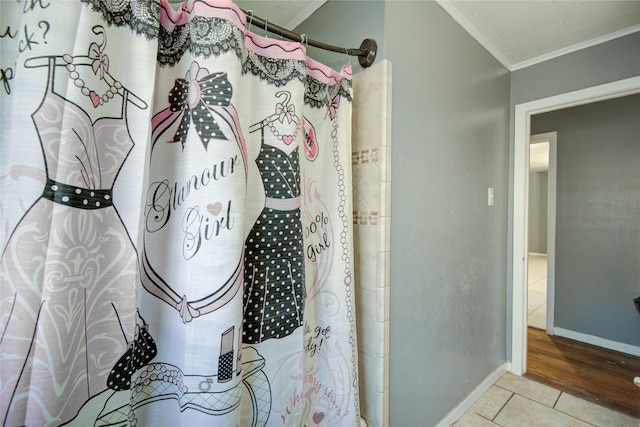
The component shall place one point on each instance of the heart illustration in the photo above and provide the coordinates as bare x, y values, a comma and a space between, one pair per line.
95, 99
214, 208
318, 417
287, 139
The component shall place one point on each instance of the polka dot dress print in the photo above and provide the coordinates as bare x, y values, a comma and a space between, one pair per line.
274, 277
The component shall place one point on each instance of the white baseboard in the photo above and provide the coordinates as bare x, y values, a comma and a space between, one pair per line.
455, 414
597, 341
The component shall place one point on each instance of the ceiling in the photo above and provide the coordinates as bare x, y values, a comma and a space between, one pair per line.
518, 33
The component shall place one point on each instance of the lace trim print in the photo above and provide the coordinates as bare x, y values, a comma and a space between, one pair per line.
320, 95
277, 72
210, 36
203, 37
141, 16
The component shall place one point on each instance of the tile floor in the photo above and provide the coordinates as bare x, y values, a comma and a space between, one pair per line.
537, 291
515, 401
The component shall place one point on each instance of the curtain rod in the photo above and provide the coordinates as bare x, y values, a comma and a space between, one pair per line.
366, 53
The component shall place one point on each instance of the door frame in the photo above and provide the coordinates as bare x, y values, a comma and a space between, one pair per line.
518, 255
552, 139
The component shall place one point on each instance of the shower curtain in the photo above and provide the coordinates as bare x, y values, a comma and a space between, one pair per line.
176, 221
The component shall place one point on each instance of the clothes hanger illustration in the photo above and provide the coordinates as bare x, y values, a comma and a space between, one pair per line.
284, 112
98, 61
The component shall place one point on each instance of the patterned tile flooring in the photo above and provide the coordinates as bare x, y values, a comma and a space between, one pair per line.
537, 291
515, 401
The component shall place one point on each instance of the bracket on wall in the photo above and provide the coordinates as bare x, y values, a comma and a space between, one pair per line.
369, 49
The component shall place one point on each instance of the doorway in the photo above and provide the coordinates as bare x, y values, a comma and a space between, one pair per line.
541, 231
519, 251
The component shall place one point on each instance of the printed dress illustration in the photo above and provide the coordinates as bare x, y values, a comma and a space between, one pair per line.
274, 289
69, 269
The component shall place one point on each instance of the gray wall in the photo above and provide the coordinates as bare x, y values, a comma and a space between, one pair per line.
448, 248
449, 251
345, 23
607, 62
596, 65
538, 207
598, 217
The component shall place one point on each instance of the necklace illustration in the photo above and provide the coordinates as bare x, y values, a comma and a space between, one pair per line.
96, 99
287, 139
100, 65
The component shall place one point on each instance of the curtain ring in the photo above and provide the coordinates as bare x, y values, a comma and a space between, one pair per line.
304, 40
250, 12
266, 27
349, 53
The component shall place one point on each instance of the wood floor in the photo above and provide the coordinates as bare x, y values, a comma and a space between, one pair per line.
601, 376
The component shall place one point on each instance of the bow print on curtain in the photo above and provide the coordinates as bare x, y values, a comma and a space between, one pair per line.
175, 221
199, 92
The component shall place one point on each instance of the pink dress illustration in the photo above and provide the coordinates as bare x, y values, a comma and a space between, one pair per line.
69, 269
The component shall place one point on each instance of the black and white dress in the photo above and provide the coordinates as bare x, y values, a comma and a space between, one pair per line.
274, 289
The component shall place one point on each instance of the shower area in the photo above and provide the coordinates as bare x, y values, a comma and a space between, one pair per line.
371, 163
